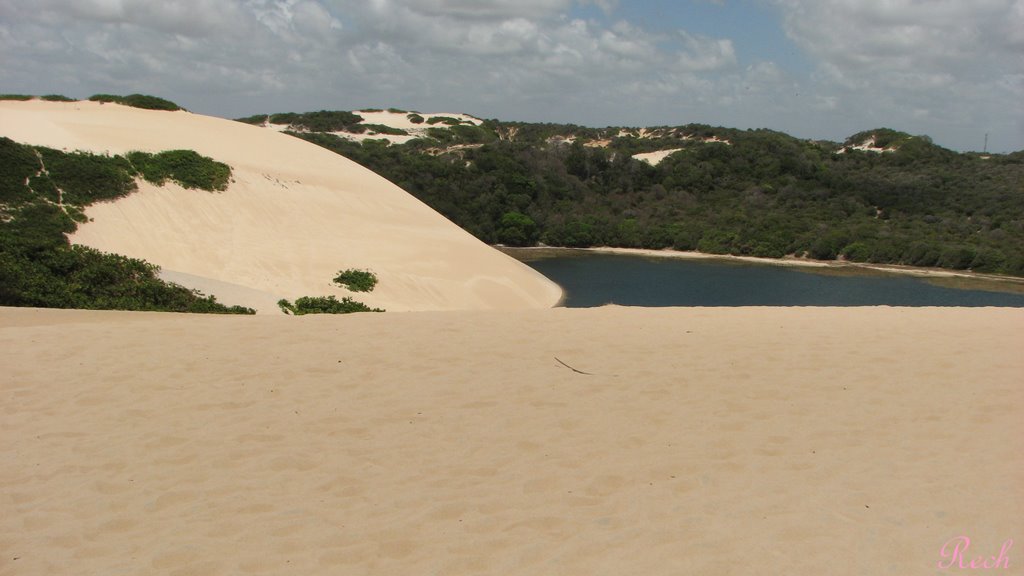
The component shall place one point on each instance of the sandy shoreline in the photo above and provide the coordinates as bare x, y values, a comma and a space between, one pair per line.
704, 441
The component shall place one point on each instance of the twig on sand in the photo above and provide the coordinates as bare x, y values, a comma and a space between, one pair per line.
573, 369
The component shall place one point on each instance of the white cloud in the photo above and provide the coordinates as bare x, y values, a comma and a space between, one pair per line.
704, 53
491, 10
871, 37
186, 17
940, 67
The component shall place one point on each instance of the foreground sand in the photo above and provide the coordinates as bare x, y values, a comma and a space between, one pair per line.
294, 215
704, 441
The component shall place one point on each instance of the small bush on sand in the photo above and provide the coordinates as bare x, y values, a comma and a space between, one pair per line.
187, 167
323, 305
356, 280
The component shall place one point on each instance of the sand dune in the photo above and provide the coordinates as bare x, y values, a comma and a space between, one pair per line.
703, 441
602, 441
655, 158
294, 216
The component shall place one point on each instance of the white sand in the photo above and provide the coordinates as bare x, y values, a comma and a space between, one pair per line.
399, 120
868, 146
655, 158
295, 215
705, 441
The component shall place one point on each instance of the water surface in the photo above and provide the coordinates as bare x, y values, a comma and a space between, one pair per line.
597, 279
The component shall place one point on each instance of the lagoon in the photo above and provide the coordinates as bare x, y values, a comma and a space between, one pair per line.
595, 279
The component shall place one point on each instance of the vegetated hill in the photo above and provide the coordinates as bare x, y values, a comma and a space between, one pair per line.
882, 196
143, 101
42, 196
294, 215
391, 125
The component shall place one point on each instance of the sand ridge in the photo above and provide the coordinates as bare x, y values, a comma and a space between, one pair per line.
704, 441
294, 216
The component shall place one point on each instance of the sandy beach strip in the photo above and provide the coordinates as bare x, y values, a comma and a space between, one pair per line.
686, 441
1009, 282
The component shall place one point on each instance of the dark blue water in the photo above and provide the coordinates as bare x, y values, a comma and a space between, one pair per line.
598, 279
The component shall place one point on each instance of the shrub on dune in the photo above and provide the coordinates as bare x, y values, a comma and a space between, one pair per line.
323, 305
143, 101
356, 280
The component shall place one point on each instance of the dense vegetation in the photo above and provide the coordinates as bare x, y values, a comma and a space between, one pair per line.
382, 129
134, 100
137, 101
322, 121
727, 191
185, 167
324, 305
356, 280
42, 195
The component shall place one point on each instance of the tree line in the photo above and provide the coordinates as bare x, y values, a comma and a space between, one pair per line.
726, 191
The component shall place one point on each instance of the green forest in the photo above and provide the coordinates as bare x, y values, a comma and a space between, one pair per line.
43, 193
726, 191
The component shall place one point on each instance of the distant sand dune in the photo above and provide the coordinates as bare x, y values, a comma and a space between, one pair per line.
706, 441
294, 216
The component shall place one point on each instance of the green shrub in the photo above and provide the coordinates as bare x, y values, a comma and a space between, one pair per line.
470, 134
857, 252
187, 167
382, 129
517, 229
86, 178
323, 305
957, 257
416, 119
922, 254
21, 97
357, 280
57, 98
258, 120
137, 101
442, 135
322, 121
447, 120
82, 277
18, 164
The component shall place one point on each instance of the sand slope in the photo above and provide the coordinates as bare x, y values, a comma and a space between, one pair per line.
295, 215
705, 441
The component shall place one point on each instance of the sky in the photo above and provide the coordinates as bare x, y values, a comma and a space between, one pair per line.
821, 69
